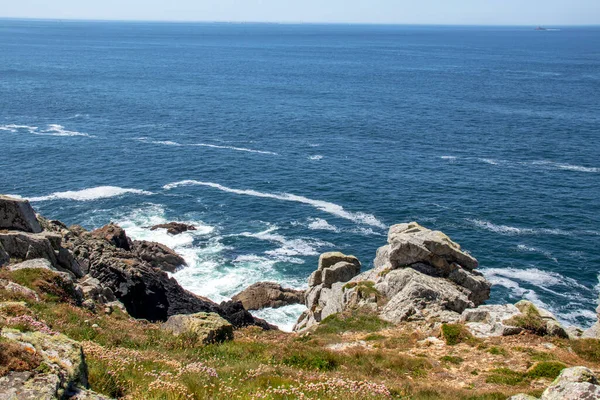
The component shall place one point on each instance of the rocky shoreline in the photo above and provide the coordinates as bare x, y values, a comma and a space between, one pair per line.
420, 277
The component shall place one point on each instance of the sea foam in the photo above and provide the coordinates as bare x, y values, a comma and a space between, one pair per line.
51, 130
331, 208
511, 230
214, 146
100, 192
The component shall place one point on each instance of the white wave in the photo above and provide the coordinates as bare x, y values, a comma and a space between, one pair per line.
284, 317
315, 157
489, 161
214, 146
324, 206
568, 167
321, 224
531, 249
533, 276
448, 157
289, 247
51, 130
100, 192
511, 230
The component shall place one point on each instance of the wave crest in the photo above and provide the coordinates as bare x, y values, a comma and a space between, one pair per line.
100, 192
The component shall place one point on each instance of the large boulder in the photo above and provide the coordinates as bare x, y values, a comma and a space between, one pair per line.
113, 234
174, 228
4, 256
158, 255
64, 371
28, 246
268, 295
206, 327
17, 214
576, 383
419, 275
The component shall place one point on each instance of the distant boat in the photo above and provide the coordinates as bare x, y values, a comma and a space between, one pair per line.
540, 28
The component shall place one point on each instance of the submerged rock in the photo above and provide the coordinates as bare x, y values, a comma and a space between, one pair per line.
17, 214
174, 228
206, 327
268, 295
419, 275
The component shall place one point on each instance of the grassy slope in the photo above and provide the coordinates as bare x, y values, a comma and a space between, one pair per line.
354, 356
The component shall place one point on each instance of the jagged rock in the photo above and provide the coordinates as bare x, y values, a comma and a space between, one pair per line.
419, 275
522, 397
268, 294
577, 383
17, 214
207, 327
410, 243
114, 234
593, 332
4, 257
174, 228
38, 263
92, 289
158, 255
326, 260
487, 321
62, 358
27, 246
18, 289
553, 327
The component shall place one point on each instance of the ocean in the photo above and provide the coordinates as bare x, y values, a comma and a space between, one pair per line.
280, 142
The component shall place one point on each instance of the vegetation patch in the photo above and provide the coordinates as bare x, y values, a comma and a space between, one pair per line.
546, 369
530, 320
505, 376
352, 321
319, 361
452, 359
49, 285
497, 351
588, 349
15, 357
454, 334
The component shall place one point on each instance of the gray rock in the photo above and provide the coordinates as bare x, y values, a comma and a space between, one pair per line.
522, 397
208, 327
158, 255
268, 294
489, 321
63, 358
18, 289
17, 214
340, 272
38, 263
4, 257
553, 327
577, 383
419, 275
27, 246
326, 260
174, 228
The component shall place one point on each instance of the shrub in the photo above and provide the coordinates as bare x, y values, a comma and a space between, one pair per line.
456, 333
530, 320
321, 361
14, 357
497, 351
546, 369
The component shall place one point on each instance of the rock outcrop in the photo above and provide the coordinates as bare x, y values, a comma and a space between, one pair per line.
268, 294
62, 372
205, 327
576, 383
174, 228
419, 275
158, 255
507, 319
111, 267
18, 214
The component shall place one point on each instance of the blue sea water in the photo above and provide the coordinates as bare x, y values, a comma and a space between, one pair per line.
284, 141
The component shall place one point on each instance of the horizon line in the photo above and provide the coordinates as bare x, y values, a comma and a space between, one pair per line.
176, 21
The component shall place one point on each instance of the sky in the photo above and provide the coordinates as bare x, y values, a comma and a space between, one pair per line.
451, 12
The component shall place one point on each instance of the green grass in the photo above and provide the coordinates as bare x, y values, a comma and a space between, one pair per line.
505, 376
497, 351
352, 321
546, 369
319, 361
452, 359
454, 334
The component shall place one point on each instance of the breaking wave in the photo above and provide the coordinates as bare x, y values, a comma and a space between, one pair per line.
321, 205
51, 130
283, 317
100, 192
